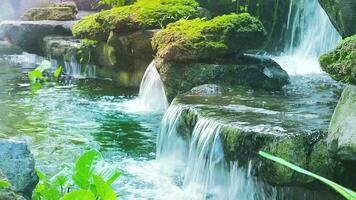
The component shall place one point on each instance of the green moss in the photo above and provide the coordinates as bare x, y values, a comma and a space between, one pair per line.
341, 62
144, 14
209, 39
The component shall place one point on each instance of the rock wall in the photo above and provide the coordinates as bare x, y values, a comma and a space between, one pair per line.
342, 14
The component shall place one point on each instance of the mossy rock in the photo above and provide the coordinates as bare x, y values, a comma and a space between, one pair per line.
340, 63
59, 12
144, 14
201, 39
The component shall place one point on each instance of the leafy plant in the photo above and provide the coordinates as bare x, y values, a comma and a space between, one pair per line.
84, 50
43, 74
90, 179
114, 3
347, 193
4, 183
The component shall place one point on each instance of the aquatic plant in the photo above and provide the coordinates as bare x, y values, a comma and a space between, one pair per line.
42, 73
4, 183
90, 179
345, 192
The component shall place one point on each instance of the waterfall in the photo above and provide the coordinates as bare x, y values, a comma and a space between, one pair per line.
310, 34
201, 162
152, 97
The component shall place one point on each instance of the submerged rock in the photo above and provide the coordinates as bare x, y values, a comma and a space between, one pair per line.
342, 131
18, 165
257, 72
28, 35
60, 12
144, 14
342, 14
201, 39
207, 90
341, 62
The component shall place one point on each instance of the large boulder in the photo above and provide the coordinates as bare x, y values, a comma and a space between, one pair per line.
255, 71
18, 165
201, 39
342, 14
340, 63
272, 13
60, 12
8, 193
144, 14
28, 35
342, 131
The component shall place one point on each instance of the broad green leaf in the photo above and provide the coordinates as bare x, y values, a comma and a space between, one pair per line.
79, 195
4, 184
58, 72
45, 65
347, 193
35, 76
84, 168
103, 190
50, 192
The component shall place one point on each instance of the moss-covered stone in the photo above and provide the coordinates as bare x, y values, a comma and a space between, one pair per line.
201, 39
144, 14
59, 12
341, 62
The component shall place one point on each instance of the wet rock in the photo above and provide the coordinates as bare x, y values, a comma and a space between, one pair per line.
207, 90
201, 39
257, 72
342, 14
17, 164
8, 193
273, 15
60, 12
342, 131
8, 48
340, 63
124, 51
60, 47
28, 35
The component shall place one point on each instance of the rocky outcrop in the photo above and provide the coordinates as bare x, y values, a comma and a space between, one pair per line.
7, 193
60, 47
340, 63
7, 48
60, 12
242, 117
207, 90
144, 14
342, 14
28, 35
342, 131
272, 13
254, 71
201, 39
17, 164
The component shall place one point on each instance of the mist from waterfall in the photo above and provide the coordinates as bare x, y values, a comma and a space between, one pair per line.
309, 34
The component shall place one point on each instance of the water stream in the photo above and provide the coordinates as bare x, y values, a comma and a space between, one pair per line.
137, 132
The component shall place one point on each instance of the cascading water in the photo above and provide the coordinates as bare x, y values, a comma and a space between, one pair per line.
201, 161
309, 34
152, 97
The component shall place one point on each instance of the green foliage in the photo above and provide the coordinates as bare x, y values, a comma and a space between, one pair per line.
4, 184
84, 50
113, 2
90, 178
143, 14
209, 39
340, 63
347, 193
43, 74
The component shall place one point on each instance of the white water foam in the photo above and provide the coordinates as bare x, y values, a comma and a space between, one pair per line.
199, 161
310, 34
152, 97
